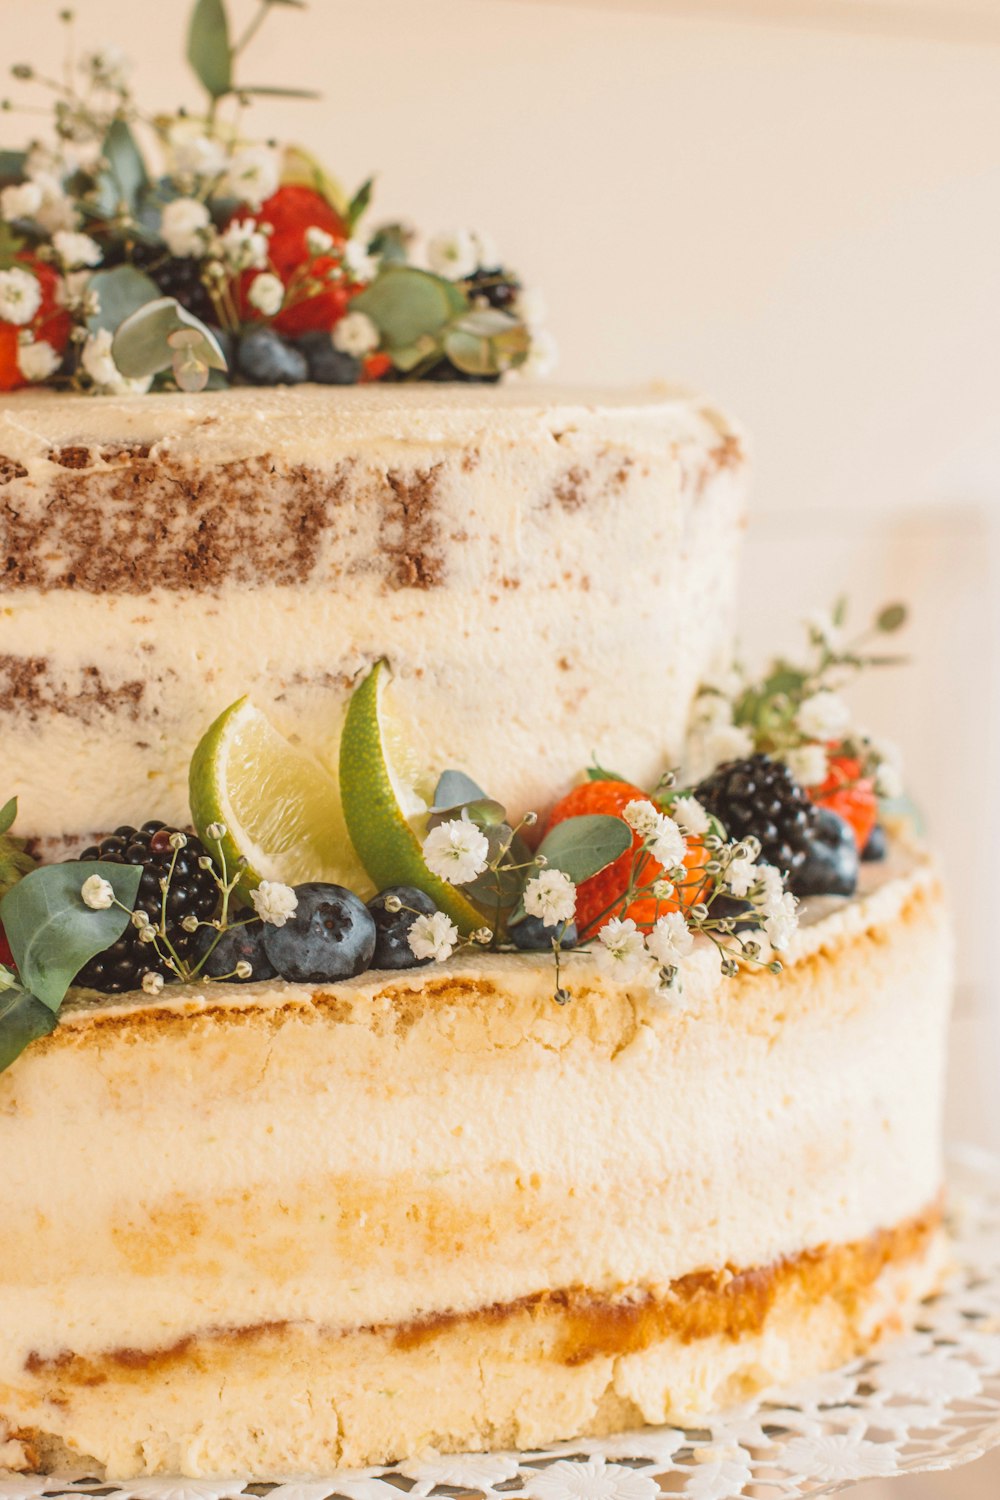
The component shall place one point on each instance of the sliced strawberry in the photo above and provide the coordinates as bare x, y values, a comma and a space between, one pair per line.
846, 792
602, 891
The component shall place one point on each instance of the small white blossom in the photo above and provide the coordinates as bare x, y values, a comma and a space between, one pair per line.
22, 201
37, 360
97, 893
108, 67
642, 817
455, 255
824, 716
57, 210
243, 246
152, 982
781, 921
888, 781
739, 875
318, 241
274, 902
531, 308
662, 890
76, 250
20, 296
252, 175
732, 743
670, 940
543, 355
550, 896
73, 293
668, 845
355, 334
359, 265
196, 155
432, 936
711, 710
808, 764
690, 816
266, 294
456, 851
823, 630
97, 362
621, 952
184, 227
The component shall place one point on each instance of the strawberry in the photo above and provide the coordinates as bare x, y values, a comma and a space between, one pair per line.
601, 891
374, 366
846, 792
6, 956
290, 212
49, 323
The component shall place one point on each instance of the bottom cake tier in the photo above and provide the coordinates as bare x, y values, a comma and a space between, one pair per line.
276, 1229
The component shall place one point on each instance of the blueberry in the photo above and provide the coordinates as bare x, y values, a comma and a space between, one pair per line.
533, 936
877, 846
266, 358
830, 867
327, 365
244, 941
331, 936
392, 951
736, 910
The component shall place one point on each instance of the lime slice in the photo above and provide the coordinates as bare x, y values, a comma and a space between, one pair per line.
280, 807
383, 808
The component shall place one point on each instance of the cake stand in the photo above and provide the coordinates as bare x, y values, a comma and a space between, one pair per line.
930, 1400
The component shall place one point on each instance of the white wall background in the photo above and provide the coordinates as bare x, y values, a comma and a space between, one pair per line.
793, 204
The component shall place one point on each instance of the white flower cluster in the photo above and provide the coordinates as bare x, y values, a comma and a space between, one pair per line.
274, 902
763, 887
654, 960
659, 833
456, 850
714, 737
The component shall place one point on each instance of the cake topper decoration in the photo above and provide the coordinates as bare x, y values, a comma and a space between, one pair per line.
175, 250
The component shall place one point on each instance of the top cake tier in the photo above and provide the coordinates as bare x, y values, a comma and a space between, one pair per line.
550, 573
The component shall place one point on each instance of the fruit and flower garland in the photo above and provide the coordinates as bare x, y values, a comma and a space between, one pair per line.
229, 260
716, 858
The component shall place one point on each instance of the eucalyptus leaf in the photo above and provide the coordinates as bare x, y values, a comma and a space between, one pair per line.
410, 356
120, 292
126, 168
501, 887
891, 618
209, 50
12, 164
52, 933
7, 815
487, 321
484, 812
583, 846
140, 346
470, 353
454, 788
23, 1019
406, 304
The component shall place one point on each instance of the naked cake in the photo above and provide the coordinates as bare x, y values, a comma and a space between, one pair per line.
444, 1004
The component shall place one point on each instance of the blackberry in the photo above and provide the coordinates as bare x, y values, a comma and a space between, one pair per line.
176, 276
192, 892
760, 796
496, 287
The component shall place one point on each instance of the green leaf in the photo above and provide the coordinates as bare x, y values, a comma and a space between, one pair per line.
23, 1019
484, 812
407, 305
360, 202
265, 90
52, 934
12, 164
208, 47
598, 773
127, 178
891, 618
486, 342
120, 292
7, 815
454, 788
582, 846
10, 245
501, 887
389, 243
140, 346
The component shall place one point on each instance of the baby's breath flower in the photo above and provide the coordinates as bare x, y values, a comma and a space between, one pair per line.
57, 210
358, 264
244, 970
807, 763
97, 893
108, 67
670, 940
729, 743
823, 631
98, 362
550, 896
266, 294
740, 874
196, 155
888, 781
190, 922
184, 227
252, 175
823, 716
140, 919
147, 934
274, 902
781, 921
662, 890
178, 841
20, 296
642, 817
483, 936
76, 250
215, 831
690, 816
356, 334
37, 360
318, 241
242, 246
543, 355
152, 982
456, 851
455, 254
433, 935
668, 845
621, 953
21, 201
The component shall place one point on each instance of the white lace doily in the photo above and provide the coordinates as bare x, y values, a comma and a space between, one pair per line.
930, 1400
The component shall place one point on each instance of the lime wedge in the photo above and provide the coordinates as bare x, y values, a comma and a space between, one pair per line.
280, 807
384, 810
